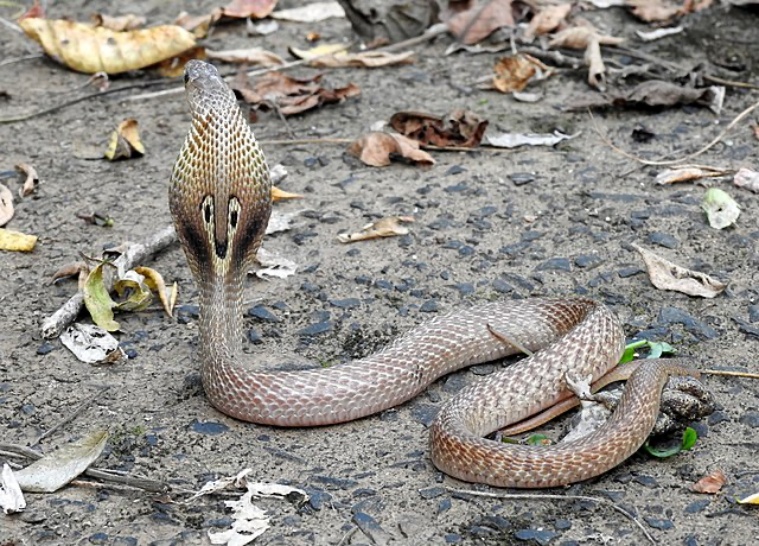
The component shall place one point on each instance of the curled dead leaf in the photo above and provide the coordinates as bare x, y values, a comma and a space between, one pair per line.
547, 20
386, 227
155, 282
710, 484
96, 49
665, 275
198, 25
16, 242
515, 72
281, 195
6, 205
30, 182
596, 67
125, 141
244, 9
318, 51
310, 13
366, 59
471, 25
75, 269
378, 149
462, 128
120, 23
748, 179
98, 301
687, 174
580, 37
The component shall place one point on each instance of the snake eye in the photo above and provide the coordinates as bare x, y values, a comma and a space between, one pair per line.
233, 219
186, 78
207, 212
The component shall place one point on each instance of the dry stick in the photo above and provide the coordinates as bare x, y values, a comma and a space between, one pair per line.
510, 496
15, 450
731, 374
136, 253
697, 153
79, 409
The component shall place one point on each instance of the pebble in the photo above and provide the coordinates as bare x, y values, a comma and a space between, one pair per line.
674, 315
520, 179
431, 492
464, 288
455, 169
316, 329
262, 313
697, 506
444, 505
424, 413
254, 336
124, 541
718, 417
45, 348
98, 538
369, 526
663, 239
337, 483
430, 306
661, 524
540, 536
629, 271
750, 418
457, 188
347, 303
317, 497
453, 538
648, 481
501, 286
209, 428
555, 264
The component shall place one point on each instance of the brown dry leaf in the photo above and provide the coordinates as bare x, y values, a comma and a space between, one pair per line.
125, 142
653, 11
253, 56
75, 269
688, 174
596, 67
367, 59
665, 275
548, 19
310, 13
96, 49
31, 181
318, 51
291, 95
244, 9
378, 149
755, 130
199, 25
656, 94
513, 73
746, 178
710, 484
386, 227
6, 205
480, 21
120, 23
580, 37
462, 128
155, 282
281, 195
174, 67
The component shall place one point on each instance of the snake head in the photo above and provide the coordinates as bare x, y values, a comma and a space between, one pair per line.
220, 191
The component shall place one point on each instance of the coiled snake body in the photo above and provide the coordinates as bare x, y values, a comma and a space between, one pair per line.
220, 202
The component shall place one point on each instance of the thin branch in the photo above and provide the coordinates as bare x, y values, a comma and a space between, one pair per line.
73, 415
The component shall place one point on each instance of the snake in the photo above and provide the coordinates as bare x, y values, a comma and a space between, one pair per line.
220, 202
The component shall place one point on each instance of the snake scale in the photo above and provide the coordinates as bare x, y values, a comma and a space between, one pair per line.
220, 202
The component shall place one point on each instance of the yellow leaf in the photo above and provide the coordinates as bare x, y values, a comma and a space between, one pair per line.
98, 301
318, 51
751, 499
138, 294
125, 141
155, 282
281, 195
97, 49
15, 241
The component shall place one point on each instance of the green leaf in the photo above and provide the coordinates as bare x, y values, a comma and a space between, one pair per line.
538, 440
629, 353
689, 440
98, 301
659, 348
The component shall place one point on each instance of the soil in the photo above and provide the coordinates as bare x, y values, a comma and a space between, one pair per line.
489, 225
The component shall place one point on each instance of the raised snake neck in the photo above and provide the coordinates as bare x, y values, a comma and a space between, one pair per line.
220, 201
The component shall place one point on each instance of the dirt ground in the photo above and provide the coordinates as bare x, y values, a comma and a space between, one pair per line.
489, 225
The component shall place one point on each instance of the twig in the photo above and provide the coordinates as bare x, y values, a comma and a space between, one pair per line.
697, 153
732, 374
136, 253
12, 26
6, 62
101, 474
517, 496
70, 417
730, 83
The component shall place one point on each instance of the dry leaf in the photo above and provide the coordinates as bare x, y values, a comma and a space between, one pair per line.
96, 49
311, 13
710, 484
75, 269
657, 94
134, 291
378, 149
462, 128
746, 178
243, 9
514, 140
366, 59
751, 499
15, 241
721, 210
386, 227
59, 467
120, 23
687, 174
174, 67
478, 22
547, 20
31, 181
6, 205
92, 345
98, 301
11, 497
252, 56
273, 265
658, 34
125, 142
513, 73
281, 195
199, 25
580, 37
596, 68
653, 11
155, 282
665, 275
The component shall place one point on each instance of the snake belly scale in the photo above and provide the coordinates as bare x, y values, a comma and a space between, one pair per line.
220, 202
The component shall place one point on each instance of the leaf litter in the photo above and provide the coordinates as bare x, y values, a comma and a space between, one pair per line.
666, 275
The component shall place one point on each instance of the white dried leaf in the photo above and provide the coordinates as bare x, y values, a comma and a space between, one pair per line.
384, 227
721, 210
6, 205
277, 173
310, 13
746, 178
665, 275
274, 265
687, 174
658, 34
281, 221
58, 468
261, 28
514, 140
11, 498
92, 344
249, 522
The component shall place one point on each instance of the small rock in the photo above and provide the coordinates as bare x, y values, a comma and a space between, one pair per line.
373, 531
673, 315
629, 271
750, 418
587, 260
347, 303
555, 264
455, 169
431, 492
453, 538
540, 536
663, 239
753, 312
697, 506
316, 329
254, 336
424, 413
262, 313
501, 286
656, 523
430, 306
45, 348
209, 428
520, 179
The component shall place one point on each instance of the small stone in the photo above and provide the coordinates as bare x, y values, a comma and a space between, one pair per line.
337, 483
254, 336
455, 169
555, 264
316, 329
531, 235
347, 303
520, 179
663, 239
629, 271
587, 260
453, 538
464, 288
661, 524
208, 428
431, 492
45, 348
262, 313
457, 188
98, 538
131, 354
697, 506
311, 162
541, 536
369, 526
648, 481
466, 251
424, 413
430, 306
501, 286
444, 505
750, 418
673, 315
753, 312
